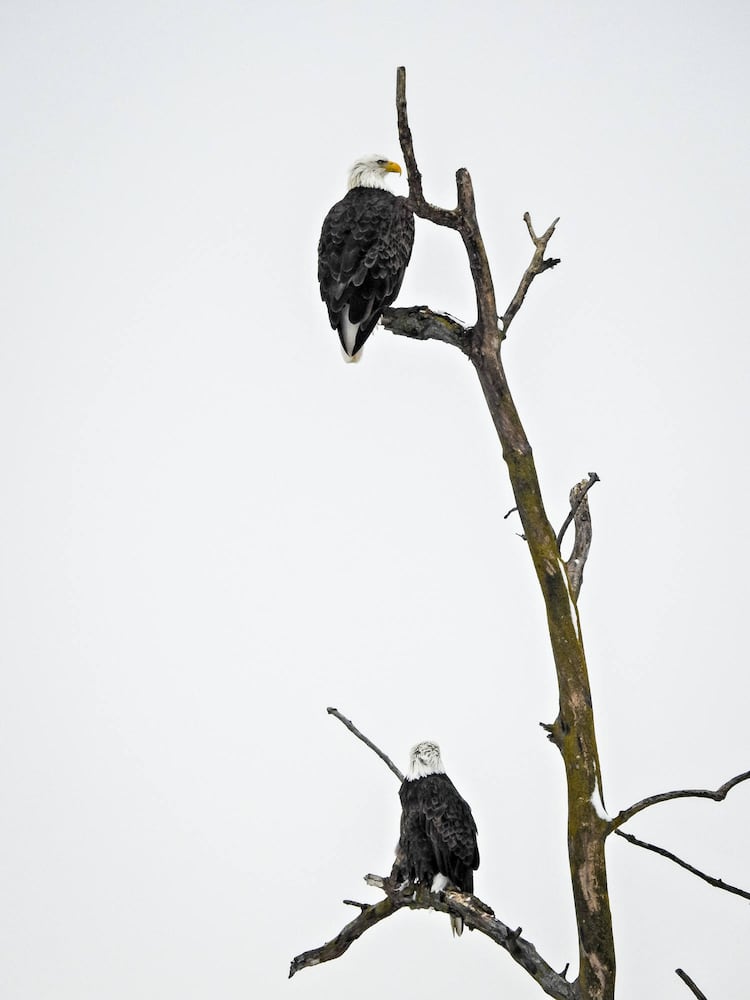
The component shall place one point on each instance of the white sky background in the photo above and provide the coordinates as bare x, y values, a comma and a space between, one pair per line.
212, 528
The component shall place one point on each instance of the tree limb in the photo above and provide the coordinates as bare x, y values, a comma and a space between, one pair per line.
686, 793
360, 736
538, 264
423, 323
716, 882
336, 947
476, 915
463, 218
577, 496
690, 984
417, 202
579, 509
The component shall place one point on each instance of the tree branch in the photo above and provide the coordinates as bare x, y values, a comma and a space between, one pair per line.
686, 793
423, 323
690, 984
538, 264
476, 915
360, 736
579, 509
336, 947
716, 882
449, 218
577, 496
463, 219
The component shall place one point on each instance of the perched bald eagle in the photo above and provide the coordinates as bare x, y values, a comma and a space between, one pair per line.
438, 842
364, 248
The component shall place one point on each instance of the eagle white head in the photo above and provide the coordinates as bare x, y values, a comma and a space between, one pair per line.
372, 171
424, 760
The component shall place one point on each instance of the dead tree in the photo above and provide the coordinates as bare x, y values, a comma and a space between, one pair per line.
573, 731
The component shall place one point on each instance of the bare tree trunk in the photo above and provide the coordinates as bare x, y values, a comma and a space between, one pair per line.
573, 731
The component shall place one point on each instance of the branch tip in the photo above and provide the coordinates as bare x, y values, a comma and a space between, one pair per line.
690, 984
360, 736
537, 266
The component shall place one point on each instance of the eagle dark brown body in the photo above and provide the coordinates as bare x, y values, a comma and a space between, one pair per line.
364, 247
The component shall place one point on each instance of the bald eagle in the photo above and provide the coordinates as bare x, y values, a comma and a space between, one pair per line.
438, 842
364, 248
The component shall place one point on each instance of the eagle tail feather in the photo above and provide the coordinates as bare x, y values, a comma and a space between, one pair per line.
351, 358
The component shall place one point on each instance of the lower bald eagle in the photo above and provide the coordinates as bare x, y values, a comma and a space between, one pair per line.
363, 251
438, 842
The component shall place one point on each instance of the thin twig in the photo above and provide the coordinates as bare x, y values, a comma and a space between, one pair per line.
360, 736
690, 984
716, 882
686, 793
538, 264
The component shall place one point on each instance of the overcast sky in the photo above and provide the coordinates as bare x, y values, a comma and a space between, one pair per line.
212, 528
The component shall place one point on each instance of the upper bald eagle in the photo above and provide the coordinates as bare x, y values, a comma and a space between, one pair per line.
364, 248
438, 842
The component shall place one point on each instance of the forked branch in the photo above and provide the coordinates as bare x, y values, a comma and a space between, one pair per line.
463, 218
476, 915
420, 322
538, 264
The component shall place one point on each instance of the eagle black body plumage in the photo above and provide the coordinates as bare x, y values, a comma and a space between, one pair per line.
438, 834
365, 245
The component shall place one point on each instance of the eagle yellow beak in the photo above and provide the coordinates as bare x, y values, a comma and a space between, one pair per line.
392, 168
